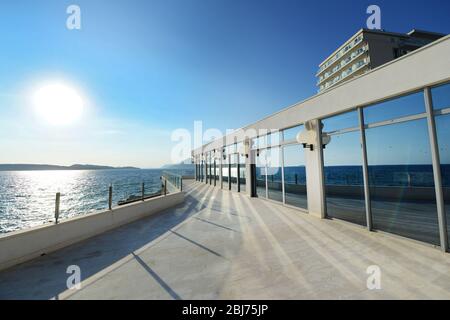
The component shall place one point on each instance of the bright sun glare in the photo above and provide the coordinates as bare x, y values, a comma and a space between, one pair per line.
58, 104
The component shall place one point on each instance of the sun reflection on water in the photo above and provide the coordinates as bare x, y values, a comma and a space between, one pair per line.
27, 198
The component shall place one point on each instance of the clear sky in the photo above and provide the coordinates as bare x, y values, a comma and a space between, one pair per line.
145, 68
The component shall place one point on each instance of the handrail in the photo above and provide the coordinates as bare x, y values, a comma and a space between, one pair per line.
175, 179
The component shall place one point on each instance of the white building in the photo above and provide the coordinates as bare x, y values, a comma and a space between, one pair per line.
366, 50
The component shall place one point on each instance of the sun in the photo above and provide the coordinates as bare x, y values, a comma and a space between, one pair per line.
58, 104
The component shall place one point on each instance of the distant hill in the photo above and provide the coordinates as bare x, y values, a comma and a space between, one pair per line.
36, 167
180, 166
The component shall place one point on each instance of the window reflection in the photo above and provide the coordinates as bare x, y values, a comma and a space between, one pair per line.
274, 181
397, 108
233, 172
261, 174
401, 181
242, 173
441, 96
295, 176
291, 133
341, 121
344, 186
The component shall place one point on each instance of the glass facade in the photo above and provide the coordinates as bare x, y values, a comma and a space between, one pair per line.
216, 171
397, 108
344, 185
210, 168
242, 173
400, 173
401, 180
295, 175
261, 175
234, 171
274, 174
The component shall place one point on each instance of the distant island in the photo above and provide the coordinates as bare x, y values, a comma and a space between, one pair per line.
179, 166
42, 167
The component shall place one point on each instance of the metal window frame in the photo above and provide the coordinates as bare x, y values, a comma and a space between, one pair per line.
365, 167
429, 115
435, 158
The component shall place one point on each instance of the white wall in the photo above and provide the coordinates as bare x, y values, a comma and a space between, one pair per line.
21, 246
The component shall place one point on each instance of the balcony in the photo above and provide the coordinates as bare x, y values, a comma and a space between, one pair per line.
341, 53
346, 73
352, 57
224, 245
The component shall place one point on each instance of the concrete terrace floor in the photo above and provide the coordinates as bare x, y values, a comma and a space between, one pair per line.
223, 245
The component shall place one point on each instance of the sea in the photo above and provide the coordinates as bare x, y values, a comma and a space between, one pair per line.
27, 198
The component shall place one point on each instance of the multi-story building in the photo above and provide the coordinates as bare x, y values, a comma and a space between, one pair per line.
366, 50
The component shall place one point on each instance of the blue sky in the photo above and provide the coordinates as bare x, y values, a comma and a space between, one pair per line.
148, 67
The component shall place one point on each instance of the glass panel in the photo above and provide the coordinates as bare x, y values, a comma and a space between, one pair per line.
401, 181
342, 121
260, 142
397, 108
344, 186
254, 144
291, 134
443, 134
274, 138
215, 171
233, 159
295, 176
274, 182
210, 168
261, 174
239, 147
202, 171
225, 172
441, 96
242, 173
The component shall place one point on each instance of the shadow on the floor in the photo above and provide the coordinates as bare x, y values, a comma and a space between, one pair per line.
45, 277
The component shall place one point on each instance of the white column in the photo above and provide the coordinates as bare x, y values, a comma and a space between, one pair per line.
314, 176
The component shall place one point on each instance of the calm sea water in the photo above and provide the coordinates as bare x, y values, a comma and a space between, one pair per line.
27, 198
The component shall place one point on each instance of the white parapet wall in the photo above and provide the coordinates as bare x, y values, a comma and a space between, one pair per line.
24, 245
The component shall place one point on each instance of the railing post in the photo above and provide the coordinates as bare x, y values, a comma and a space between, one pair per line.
181, 184
57, 203
165, 186
110, 197
143, 190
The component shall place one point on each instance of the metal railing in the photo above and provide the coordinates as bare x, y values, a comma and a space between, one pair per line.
175, 180
121, 194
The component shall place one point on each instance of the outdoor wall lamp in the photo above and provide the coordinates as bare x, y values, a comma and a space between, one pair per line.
244, 150
308, 137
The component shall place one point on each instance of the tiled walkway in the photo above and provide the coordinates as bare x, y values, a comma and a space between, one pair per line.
223, 245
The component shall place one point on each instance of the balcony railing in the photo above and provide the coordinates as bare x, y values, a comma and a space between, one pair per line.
341, 53
175, 181
355, 55
355, 67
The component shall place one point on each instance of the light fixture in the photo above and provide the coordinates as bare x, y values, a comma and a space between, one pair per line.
244, 150
308, 137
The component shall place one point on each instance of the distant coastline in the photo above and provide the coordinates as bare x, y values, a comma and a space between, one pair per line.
44, 167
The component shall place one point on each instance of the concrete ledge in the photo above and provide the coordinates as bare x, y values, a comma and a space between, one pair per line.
24, 245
